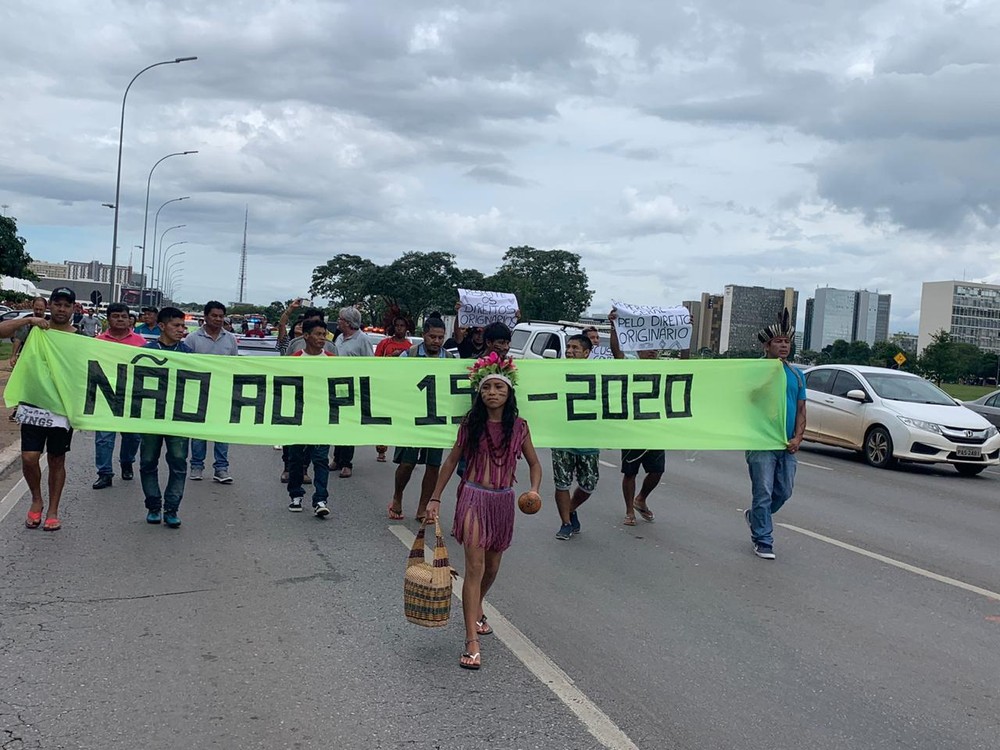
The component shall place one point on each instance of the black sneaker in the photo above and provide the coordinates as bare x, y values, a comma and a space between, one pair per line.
103, 482
295, 505
127, 471
320, 510
763, 552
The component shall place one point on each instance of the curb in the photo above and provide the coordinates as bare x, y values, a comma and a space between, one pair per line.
9, 455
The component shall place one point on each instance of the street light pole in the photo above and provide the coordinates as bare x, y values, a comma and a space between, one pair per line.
145, 214
159, 275
156, 222
118, 177
161, 271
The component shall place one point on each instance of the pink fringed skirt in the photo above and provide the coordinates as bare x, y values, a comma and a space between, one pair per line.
492, 511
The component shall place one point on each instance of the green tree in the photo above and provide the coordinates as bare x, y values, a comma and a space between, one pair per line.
419, 282
14, 259
549, 284
347, 280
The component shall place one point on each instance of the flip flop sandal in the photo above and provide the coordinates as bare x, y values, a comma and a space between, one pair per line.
483, 627
469, 655
51, 524
629, 521
34, 520
645, 512
395, 515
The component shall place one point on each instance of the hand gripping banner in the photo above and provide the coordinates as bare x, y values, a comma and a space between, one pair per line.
649, 404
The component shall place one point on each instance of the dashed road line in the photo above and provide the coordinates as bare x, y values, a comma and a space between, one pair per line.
605, 463
896, 563
814, 466
598, 723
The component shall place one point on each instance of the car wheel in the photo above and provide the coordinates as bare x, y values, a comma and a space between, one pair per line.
969, 470
878, 448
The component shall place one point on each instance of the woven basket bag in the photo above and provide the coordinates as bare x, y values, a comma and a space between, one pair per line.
427, 587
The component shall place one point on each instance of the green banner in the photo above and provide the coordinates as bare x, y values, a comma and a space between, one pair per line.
672, 404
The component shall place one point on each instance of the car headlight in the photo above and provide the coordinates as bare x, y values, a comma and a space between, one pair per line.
990, 431
920, 424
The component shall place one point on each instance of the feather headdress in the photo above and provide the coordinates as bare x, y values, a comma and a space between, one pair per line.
782, 328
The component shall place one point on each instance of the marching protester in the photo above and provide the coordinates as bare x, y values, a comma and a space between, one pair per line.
164, 507
38, 307
772, 473
568, 464
212, 338
399, 342
496, 337
653, 462
90, 324
311, 313
593, 334
149, 326
300, 456
491, 438
352, 342
43, 431
406, 459
120, 332
285, 337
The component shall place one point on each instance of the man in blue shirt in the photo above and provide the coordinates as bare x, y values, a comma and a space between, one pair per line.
148, 326
772, 473
406, 459
164, 507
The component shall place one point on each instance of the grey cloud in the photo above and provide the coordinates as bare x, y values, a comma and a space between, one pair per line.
496, 176
622, 148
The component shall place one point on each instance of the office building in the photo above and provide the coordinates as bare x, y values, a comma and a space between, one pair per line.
807, 328
748, 309
706, 322
969, 312
847, 315
49, 270
905, 341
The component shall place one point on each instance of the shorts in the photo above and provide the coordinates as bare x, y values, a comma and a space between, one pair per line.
52, 440
426, 456
567, 465
652, 462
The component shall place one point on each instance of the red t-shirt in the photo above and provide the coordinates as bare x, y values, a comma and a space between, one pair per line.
132, 339
389, 347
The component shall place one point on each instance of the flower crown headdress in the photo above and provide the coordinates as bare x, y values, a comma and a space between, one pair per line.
493, 367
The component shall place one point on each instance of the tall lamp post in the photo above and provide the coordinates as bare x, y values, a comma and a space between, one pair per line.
118, 177
156, 222
159, 271
145, 213
166, 266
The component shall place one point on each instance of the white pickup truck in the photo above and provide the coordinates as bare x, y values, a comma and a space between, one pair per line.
541, 340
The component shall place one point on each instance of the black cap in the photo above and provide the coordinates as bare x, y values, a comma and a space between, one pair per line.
63, 292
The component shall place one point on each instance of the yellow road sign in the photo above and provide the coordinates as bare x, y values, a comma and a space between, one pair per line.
900, 359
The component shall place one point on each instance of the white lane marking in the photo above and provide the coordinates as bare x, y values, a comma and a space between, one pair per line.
896, 563
16, 493
815, 466
598, 723
605, 463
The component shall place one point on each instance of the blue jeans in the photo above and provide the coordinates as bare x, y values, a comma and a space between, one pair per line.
299, 457
104, 450
199, 449
149, 464
772, 475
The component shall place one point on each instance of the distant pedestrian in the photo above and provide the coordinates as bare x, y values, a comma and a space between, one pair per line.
119, 332
300, 456
772, 473
212, 338
351, 342
398, 342
149, 326
165, 507
90, 324
569, 464
492, 437
39, 305
311, 313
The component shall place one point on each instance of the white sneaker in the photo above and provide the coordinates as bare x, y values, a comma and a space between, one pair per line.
295, 505
764, 553
222, 477
320, 510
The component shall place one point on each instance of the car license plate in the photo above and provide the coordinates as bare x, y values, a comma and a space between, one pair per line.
968, 451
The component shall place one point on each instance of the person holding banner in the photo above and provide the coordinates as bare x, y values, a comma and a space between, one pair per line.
653, 462
772, 473
352, 342
43, 431
406, 459
163, 507
574, 463
491, 438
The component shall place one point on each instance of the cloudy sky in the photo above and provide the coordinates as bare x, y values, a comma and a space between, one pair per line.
677, 147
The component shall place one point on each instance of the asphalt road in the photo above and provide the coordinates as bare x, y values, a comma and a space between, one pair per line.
252, 627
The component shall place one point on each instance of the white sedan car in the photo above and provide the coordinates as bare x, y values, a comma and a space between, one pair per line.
889, 415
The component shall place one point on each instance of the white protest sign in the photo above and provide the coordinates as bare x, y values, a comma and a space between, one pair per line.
601, 352
642, 328
479, 309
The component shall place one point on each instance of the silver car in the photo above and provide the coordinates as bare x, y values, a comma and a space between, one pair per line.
988, 406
